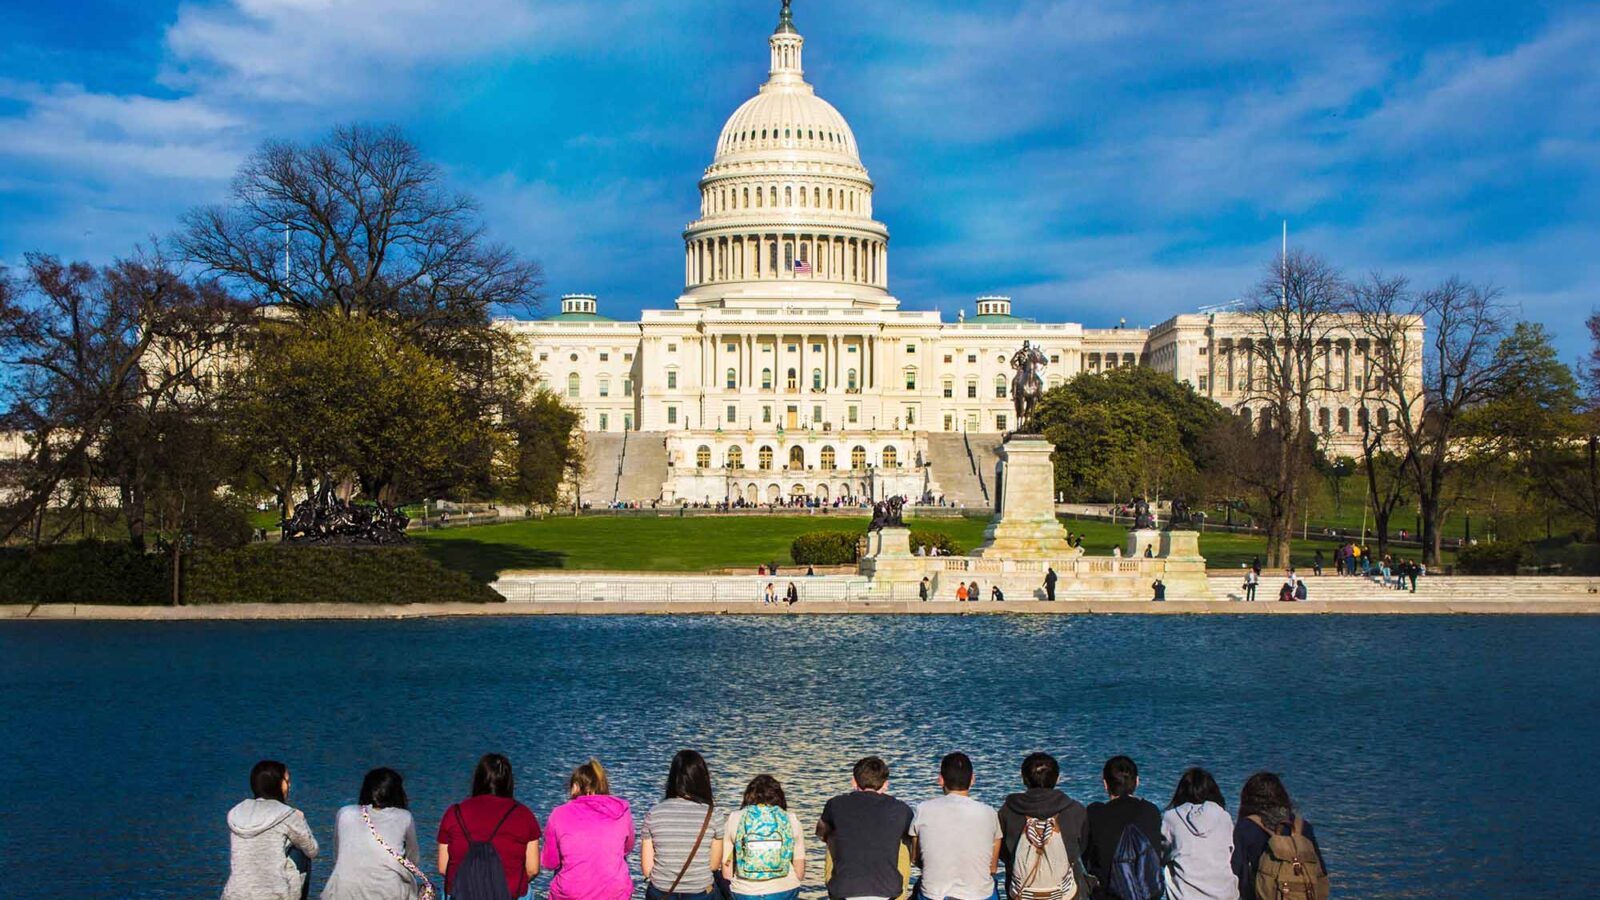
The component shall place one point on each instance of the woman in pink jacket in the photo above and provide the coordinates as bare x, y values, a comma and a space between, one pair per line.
587, 840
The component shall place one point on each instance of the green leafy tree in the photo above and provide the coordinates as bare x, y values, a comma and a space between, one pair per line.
544, 449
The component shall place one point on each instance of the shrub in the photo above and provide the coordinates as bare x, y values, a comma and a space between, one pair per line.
84, 572
274, 573
825, 548
1498, 558
930, 540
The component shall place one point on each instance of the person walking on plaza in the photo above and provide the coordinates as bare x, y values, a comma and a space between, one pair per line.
1123, 823
1050, 584
1044, 834
682, 839
1267, 838
766, 857
375, 850
1316, 564
1251, 582
589, 839
867, 832
1197, 834
922, 589
955, 838
490, 818
270, 845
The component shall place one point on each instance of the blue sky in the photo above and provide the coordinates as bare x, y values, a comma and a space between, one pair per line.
1096, 160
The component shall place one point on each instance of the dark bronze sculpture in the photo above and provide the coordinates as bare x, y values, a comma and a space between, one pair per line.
1143, 518
1180, 518
1026, 387
887, 514
328, 519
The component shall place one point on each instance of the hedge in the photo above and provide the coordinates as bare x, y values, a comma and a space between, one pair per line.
116, 574
1491, 559
825, 548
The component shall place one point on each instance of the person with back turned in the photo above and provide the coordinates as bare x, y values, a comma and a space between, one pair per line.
270, 844
956, 838
1124, 828
1050, 584
866, 831
1045, 832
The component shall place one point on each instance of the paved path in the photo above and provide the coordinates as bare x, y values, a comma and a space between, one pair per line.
251, 611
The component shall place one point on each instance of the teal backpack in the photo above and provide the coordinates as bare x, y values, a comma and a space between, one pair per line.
763, 844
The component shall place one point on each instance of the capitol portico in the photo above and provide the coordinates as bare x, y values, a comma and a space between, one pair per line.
786, 367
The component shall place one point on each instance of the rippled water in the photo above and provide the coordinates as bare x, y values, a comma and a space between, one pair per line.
1438, 757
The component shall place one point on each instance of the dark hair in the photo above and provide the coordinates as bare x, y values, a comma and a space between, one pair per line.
956, 770
589, 778
689, 778
871, 773
266, 780
764, 790
1197, 786
494, 776
1040, 770
383, 789
1121, 775
1264, 795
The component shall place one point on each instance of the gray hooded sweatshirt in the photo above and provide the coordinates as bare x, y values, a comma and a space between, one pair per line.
1199, 852
264, 834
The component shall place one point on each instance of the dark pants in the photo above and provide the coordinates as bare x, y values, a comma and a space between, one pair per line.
1249, 592
1049, 590
651, 892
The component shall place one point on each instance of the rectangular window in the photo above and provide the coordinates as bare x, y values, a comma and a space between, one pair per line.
949, 389
911, 416
733, 415
672, 415
1000, 422
1205, 384
948, 358
972, 357
910, 349
972, 390
911, 381
816, 348
672, 379
766, 415
949, 422
627, 387
672, 348
605, 422
854, 414
851, 348
733, 348
627, 421
816, 415
1055, 359
605, 388
794, 348
544, 357
605, 357
627, 357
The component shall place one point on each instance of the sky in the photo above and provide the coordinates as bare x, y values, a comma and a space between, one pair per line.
1097, 160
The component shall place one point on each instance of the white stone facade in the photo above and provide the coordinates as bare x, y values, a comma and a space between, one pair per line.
786, 336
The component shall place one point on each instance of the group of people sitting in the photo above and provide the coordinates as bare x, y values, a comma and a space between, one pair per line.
1050, 846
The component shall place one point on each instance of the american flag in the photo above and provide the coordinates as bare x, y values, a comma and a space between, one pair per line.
802, 267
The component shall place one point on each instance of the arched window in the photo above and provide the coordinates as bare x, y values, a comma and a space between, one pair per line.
816, 379
764, 457
1000, 387
574, 384
788, 196
1344, 421
858, 457
1324, 419
746, 198
797, 458
828, 462
760, 198
911, 378
772, 194
788, 256
850, 379
733, 379
830, 198
736, 457
766, 379
803, 198
702, 457
891, 458
1364, 418
1383, 418
792, 381
816, 196
1246, 415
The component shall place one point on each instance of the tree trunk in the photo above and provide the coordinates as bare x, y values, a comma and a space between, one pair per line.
177, 571
1380, 527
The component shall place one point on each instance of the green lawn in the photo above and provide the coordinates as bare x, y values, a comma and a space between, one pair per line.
694, 544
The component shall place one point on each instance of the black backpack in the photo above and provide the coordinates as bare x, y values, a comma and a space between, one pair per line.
481, 876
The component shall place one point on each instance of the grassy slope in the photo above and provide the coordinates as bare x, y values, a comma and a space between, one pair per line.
698, 544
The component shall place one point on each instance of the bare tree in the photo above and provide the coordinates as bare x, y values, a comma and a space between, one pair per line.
1430, 387
1293, 314
359, 223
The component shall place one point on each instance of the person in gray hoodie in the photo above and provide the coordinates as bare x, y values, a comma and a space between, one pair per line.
1197, 834
271, 846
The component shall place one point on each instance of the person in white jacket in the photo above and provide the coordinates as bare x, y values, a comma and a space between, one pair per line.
1197, 837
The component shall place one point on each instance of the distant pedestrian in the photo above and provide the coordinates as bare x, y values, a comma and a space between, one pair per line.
270, 845
1198, 835
770, 595
1268, 835
1149, 551
1316, 564
973, 593
955, 838
922, 589
376, 855
811, 571
996, 594
1159, 588
590, 838
1050, 584
1252, 580
1255, 566
490, 816
961, 592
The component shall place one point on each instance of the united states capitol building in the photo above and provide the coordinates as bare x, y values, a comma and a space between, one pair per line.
788, 369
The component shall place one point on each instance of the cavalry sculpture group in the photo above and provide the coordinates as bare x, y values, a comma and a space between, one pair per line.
330, 519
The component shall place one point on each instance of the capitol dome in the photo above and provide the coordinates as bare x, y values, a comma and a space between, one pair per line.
786, 199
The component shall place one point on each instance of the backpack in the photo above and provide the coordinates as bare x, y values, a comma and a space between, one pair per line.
1289, 868
480, 875
763, 844
1042, 868
1135, 868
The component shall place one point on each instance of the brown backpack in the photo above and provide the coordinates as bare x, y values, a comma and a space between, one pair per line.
1289, 868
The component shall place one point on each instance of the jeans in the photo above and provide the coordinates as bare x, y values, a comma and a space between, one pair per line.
917, 894
651, 892
791, 894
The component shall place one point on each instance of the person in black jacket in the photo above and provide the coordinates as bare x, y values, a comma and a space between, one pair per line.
1107, 821
1041, 800
1263, 798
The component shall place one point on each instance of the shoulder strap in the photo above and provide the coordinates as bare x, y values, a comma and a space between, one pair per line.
425, 884
462, 823
1299, 826
509, 811
693, 852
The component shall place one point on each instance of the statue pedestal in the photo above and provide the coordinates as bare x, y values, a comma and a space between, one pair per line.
889, 560
890, 543
1024, 524
1177, 544
1141, 538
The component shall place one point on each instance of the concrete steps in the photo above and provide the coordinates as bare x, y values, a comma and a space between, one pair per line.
1431, 588
602, 457
644, 468
965, 479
